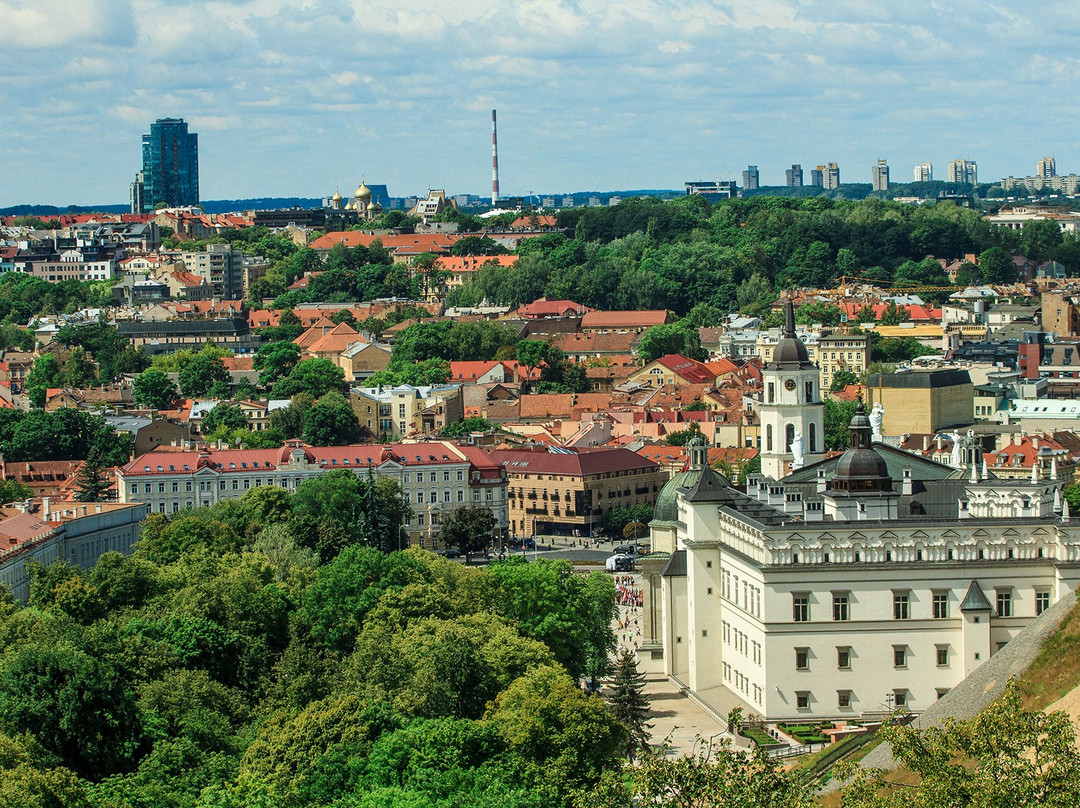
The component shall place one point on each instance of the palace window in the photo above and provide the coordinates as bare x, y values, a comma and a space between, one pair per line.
843, 658
800, 604
1004, 603
901, 606
941, 605
840, 606
802, 659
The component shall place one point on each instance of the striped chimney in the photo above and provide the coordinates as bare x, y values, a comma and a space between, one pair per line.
494, 161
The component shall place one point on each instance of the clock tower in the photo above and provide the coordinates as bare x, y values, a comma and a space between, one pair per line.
792, 413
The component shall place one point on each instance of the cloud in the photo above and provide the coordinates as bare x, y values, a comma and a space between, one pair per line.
298, 96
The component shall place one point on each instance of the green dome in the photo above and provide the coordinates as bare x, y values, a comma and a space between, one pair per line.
667, 505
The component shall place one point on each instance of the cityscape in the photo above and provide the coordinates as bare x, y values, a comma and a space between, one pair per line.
337, 471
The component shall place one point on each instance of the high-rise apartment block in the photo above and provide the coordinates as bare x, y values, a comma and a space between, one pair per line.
1046, 168
879, 176
924, 172
832, 175
751, 179
817, 176
964, 172
793, 176
170, 169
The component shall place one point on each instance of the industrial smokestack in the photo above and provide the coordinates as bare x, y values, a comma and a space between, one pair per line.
494, 161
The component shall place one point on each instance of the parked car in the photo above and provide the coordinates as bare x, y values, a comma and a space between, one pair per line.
529, 544
624, 549
619, 563
450, 553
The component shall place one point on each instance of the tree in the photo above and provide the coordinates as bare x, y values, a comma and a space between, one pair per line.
152, 389
315, 376
996, 266
91, 484
468, 527
44, 374
837, 420
715, 777
419, 374
331, 422
894, 314
224, 416
865, 315
28, 781
629, 702
1040, 238
671, 338
841, 379
274, 360
569, 737
201, 374
13, 491
1006, 756
684, 436
473, 423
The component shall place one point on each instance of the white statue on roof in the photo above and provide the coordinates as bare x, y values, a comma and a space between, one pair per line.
877, 417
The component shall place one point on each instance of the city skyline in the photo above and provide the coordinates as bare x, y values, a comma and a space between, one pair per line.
302, 97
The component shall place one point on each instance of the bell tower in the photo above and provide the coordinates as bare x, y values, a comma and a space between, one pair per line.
792, 413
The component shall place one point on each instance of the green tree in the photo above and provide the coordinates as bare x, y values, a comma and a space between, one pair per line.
841, 379
1006, 755
894, 314
684, 436
468, 527
44, 374
715, 776
28, 781
419, 374
996, 266
671, 338
91, 484
865, 315
331, 422
629, 702
201, 374
471, 424
14, 491
532, 353
223, 416
274, 361
837, 418
315, 376
78, 371
153, 389
569, 737
1040, 238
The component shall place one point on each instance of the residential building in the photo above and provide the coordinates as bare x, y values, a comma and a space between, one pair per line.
793, 176
924, 172
435, 477
836, 352
751, 178
675, 370
713, 189
817, 177
963, 171
1046, 168
921, 401
879, 176
168, 336
170, 169
147, 433
631, 321
831, 177
392, 413
72, 532
561, 490
221, 266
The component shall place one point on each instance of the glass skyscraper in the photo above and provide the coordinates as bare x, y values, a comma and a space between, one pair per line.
170, 169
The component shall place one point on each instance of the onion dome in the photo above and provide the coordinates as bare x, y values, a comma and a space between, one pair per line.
861, 470
363, 192
336, 197
374, 206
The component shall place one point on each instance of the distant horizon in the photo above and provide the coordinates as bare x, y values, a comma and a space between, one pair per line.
319, 95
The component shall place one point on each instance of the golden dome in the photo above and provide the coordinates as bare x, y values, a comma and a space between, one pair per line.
373, 205
363, 192
336, 197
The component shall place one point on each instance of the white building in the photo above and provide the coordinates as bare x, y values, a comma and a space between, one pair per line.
853, 585
435, 477
924, 172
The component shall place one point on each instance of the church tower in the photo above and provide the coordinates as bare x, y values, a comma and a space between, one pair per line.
792, 414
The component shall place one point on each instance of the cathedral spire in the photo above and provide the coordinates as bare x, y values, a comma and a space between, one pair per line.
789, 318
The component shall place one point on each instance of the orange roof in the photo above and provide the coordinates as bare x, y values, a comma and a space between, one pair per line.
394, 242
336, 340
552, 308
623, 319
529, 221
722, 366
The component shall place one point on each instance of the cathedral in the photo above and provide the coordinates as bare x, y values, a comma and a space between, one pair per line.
363, 203
850, 586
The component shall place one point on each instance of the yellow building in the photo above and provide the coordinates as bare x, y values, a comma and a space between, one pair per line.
919, 402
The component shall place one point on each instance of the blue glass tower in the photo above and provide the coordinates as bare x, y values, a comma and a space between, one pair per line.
170, 172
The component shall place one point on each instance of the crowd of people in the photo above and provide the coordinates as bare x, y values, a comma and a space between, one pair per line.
630, 598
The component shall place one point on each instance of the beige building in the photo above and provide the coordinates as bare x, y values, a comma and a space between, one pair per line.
921, 401
831, 351
392, 413
562, 490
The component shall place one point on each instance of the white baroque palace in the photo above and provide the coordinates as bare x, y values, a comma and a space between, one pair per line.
851, 586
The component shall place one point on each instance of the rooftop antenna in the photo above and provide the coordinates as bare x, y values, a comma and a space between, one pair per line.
494, 162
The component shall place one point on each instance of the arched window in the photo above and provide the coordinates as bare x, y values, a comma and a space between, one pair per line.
813, 438
768, 438
789, 437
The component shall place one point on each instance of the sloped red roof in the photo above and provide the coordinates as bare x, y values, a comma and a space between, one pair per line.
571, 462
689, 369
623, 319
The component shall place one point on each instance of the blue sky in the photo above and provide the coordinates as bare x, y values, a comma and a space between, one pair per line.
299, 97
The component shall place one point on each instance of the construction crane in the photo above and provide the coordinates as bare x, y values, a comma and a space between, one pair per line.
895, 286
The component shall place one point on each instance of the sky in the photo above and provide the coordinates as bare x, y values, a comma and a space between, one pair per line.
302, 97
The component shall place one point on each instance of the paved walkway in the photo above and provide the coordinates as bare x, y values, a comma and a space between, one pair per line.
682, 722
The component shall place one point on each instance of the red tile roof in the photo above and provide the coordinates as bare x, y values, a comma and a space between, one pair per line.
552, 308
689, 369
623, 319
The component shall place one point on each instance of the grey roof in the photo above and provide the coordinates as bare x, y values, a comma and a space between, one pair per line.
975, 600
920, 379
676, 567
896, 460
709, 487
130, 424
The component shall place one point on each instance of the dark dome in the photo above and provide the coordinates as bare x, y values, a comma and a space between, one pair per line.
861, 464
790, 350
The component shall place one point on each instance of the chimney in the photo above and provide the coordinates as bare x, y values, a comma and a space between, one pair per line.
44, 509
905, 485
